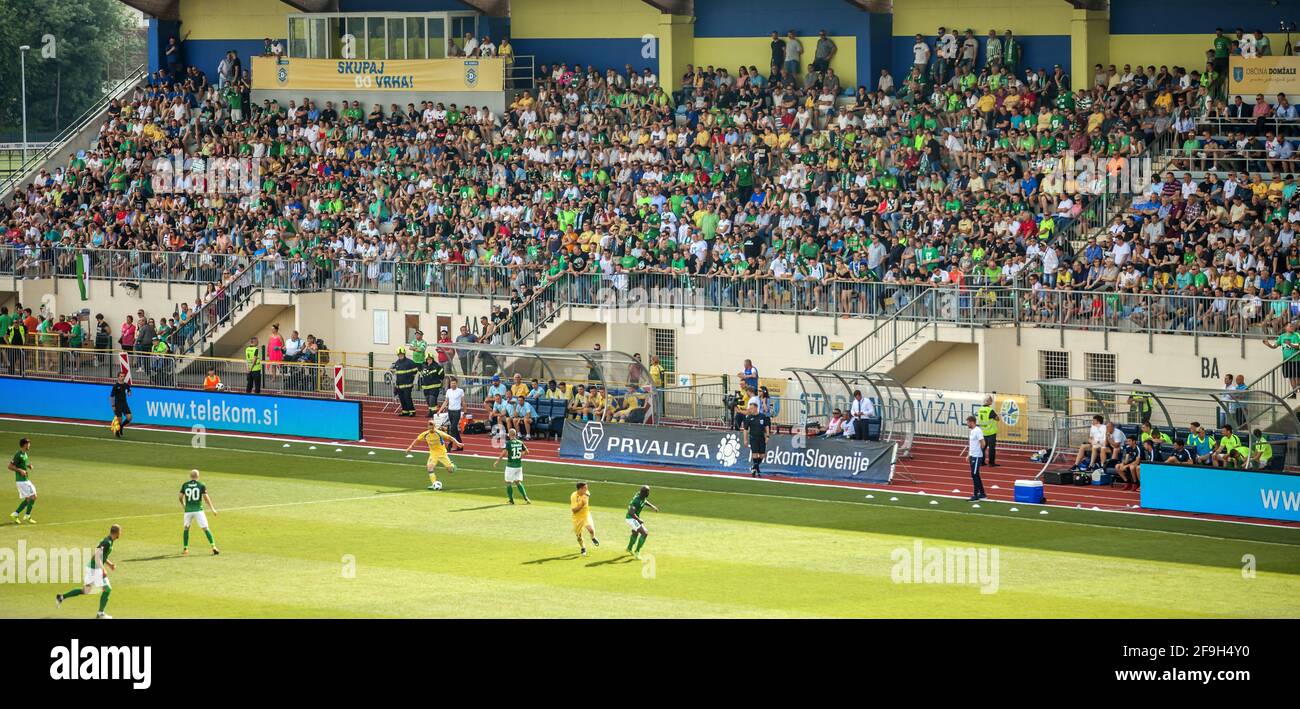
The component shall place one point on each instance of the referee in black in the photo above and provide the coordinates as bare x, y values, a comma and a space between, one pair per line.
121, 409
756, 423
975, 452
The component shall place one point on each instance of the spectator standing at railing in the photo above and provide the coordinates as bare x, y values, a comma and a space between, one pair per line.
127, 336
103, 343
145, 335
275, 350
1289, 343
418, 348
657, 372
748, 376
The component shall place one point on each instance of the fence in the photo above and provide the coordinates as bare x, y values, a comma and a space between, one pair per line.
361, 380
976, 302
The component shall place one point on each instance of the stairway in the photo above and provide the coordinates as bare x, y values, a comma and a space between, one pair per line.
893, 340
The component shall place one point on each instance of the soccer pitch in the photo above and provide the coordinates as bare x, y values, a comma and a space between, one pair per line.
320, 533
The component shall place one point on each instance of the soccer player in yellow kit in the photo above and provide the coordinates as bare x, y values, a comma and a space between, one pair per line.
580, 506
438, 440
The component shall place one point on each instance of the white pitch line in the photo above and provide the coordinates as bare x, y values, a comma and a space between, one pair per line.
373, 496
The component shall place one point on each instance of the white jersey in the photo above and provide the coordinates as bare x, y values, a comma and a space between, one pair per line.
975, 442
455, 399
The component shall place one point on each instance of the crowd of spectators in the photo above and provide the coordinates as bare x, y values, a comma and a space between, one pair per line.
773, 179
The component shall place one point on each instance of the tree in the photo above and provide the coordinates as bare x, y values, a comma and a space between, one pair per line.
79, 49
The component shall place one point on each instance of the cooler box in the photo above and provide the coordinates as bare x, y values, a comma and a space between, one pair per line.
1030, 491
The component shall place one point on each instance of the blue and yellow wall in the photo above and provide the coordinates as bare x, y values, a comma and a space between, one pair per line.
600, 33
729, 33
1177, 32
217, 26
1042, 27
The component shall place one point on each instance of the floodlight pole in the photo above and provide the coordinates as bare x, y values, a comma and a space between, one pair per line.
22, 61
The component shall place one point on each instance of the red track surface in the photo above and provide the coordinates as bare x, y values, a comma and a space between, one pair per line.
938, 468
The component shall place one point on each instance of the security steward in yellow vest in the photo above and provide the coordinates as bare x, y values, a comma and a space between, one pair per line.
17, 339
404, 371
431, 375
253, 359
1139, 403
987, 419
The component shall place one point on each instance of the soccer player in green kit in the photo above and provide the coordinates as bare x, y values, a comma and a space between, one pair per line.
95, 576
640, 501
21, 465
513, 451
193, 494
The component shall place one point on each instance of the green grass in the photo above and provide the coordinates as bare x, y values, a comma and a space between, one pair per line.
10, 160
291, 519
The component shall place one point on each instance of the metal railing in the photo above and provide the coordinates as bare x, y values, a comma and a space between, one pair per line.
50, 261
1150, 313
1284, 126
19, 174
903, 326
521, 73
312, 378
977, 302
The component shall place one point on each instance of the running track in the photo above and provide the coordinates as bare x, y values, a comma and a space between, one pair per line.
938, 467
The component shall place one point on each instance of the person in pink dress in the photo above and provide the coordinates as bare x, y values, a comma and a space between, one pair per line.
274, 350
127, 338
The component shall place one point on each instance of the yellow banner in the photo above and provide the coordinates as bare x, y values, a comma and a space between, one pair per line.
1264, 75
462, 74
1013, 418
775, 386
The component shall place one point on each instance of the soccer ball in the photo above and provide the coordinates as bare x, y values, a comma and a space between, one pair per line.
221, 386
437, 485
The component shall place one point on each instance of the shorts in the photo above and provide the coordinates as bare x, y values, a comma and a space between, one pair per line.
581, 523
634, 525
1291, 369
758, 447
121, 409
95, 578
514, 475
436, 459
199, 517
26, 489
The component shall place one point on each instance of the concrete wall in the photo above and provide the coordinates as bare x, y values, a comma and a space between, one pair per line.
988, 359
